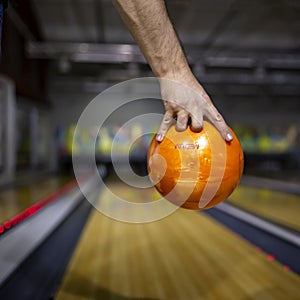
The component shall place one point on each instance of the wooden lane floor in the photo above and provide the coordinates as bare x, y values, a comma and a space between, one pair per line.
282, 208
15, 200
186, 255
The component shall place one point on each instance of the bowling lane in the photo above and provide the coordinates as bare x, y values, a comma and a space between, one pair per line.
186, 255
281, 208
15, 200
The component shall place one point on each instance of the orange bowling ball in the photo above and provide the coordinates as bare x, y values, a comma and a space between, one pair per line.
195, 170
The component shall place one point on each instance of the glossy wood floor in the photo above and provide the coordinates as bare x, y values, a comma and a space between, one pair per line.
184, 256
15, 200
282, 208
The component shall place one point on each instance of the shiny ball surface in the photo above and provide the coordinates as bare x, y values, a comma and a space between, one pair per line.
195, 170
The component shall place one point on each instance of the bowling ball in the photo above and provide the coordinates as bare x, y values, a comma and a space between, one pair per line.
195, 170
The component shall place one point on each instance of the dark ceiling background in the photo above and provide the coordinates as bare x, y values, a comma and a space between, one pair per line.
236, 48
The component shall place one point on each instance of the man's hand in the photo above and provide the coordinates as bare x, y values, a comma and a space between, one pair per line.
187, 100
149, 23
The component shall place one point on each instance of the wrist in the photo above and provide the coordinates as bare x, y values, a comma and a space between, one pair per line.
174, 71
182, 75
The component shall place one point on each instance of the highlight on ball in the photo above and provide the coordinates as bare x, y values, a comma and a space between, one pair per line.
201, 169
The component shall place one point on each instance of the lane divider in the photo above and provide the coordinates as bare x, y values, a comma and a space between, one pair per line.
280, 232
33, 209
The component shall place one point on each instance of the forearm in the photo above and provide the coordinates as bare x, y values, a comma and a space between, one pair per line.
150, 25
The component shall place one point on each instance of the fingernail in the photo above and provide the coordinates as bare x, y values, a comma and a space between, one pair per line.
159, 137
229, 137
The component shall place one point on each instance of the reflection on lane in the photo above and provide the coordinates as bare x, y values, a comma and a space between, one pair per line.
278, 207
15, 200
186, 255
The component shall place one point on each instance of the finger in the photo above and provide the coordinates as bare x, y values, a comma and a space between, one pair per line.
197, 122
218, 121
164, 126
182, 120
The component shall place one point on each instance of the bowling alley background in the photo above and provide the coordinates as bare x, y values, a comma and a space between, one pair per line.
59, 55
249, 64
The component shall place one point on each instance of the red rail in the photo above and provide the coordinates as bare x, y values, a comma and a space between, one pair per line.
31, 210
